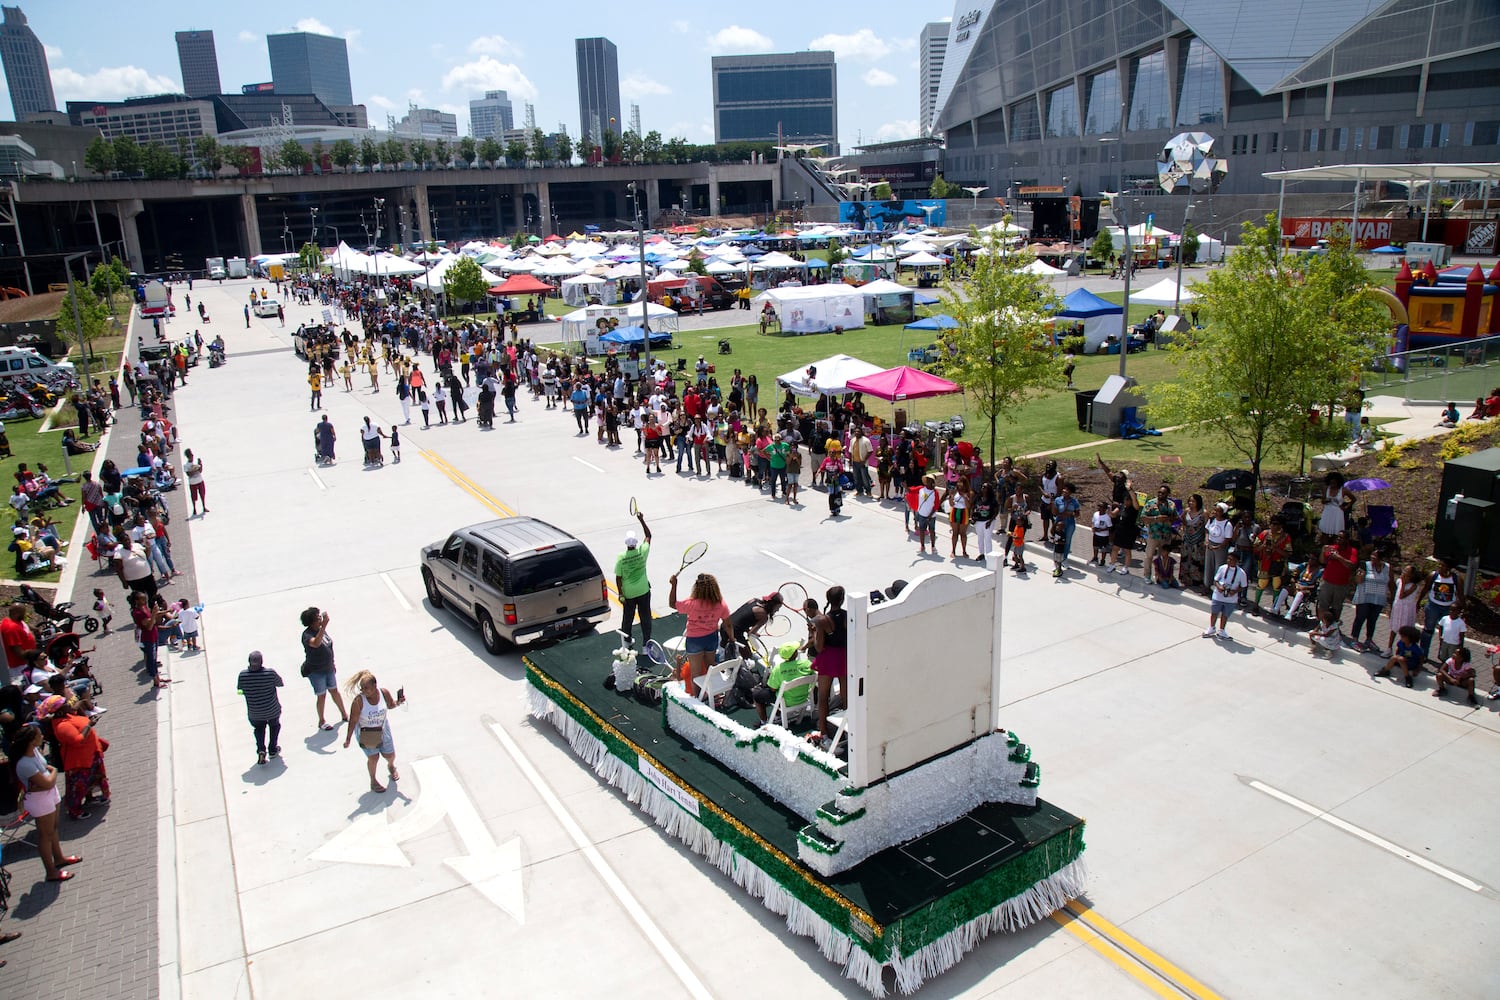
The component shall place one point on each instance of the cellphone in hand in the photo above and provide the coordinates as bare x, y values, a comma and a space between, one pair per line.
401, 694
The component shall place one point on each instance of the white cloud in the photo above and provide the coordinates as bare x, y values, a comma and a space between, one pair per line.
486, 73
735, 39
699, 131
352, 37
494, 45
313, 26
681, 27
249, 37
908, 128
877, 77
381, 102
110, 83
53, 52
864, 45
638, 85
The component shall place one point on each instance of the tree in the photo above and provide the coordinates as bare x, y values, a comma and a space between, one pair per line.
611, 145
1001, 351
464, 282
882, 191
1103, 247
1287, 334
310, 256
392, 153
696, 263
651, 147
515, 152
442, 153
1189, 248
105, 281
129, 157
519, 240
940, 188
92, 313
564, 148
677, 149
538, 151
835, 253
294, 156
630, 147
100, 156
369, 153
344, 154
206, 149
160, 163
270, 159
238, 157
421, 152
468, 149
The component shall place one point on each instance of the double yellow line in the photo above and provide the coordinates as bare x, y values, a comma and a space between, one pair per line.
1129, 955
466, 484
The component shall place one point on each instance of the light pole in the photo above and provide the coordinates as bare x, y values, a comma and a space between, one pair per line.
379, 218
403, 228
83, 348
1117, 203
313, 239
1187, 216
286, 235
640, 235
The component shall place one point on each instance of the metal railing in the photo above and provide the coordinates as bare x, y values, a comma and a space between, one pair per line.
1457, 372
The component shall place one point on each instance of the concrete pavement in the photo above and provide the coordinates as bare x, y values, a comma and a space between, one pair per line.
1181, 752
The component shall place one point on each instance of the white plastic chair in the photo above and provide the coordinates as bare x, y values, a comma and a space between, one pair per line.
719, 680
789, 713
840, 731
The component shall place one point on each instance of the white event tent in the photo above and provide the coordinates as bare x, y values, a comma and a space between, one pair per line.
1163, 293
831, 375
816, 308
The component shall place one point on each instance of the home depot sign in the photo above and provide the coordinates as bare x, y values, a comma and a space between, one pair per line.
1368, 233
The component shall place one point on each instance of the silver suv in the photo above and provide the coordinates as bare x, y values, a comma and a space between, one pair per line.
519, 579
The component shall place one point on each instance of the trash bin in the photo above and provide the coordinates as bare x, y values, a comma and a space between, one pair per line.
1084, 398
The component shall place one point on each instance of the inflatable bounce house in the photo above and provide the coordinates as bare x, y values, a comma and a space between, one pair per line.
1447, 307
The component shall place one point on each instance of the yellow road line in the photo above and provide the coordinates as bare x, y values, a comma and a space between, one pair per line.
1130, 955
466, 484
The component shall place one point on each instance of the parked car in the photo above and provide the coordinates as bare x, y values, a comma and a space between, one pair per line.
266, 308
519, 579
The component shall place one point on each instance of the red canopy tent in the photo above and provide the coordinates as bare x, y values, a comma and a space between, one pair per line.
521, 284
901, 383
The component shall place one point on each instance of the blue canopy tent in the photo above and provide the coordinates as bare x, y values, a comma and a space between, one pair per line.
817, 263
941, 321
626, 335
1100, 317
923, 299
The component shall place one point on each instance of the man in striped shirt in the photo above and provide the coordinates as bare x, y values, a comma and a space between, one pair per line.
258, 685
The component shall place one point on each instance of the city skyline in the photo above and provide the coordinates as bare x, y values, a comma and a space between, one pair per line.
446, 67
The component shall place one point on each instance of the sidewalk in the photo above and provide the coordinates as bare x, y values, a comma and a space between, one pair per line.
97, 935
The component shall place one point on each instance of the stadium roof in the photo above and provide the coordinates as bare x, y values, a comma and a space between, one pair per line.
1391, 172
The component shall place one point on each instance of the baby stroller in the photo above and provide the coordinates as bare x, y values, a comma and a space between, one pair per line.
837, 484
485, 408
54, 618
63, 649
725, 347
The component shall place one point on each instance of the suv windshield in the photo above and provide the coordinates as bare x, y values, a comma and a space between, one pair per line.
545, 570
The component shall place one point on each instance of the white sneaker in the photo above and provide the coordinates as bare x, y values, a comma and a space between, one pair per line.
1208, 633
1221, 634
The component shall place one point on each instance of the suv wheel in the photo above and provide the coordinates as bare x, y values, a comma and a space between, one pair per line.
433, 594
494, 643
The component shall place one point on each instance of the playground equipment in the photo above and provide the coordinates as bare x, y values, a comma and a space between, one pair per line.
1446, 307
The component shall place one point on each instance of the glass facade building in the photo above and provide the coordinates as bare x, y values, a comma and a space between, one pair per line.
304, 63
598, 87
491, 116
793, 95
1031, 87
199, 61
931, 48
26, 71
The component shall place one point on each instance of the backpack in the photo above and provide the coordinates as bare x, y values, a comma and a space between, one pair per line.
794, 461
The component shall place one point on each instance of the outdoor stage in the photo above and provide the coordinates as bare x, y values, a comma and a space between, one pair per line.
916, 909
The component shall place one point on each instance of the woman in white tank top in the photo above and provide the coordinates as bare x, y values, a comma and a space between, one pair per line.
368, 717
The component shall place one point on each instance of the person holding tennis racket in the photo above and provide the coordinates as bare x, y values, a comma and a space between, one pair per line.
631, 580
707, 624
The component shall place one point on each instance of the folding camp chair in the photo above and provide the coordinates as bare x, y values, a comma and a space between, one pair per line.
1382, 520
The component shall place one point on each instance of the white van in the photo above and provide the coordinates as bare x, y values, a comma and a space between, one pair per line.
27, 361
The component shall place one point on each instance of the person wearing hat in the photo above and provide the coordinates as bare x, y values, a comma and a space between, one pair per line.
632, 582
701, 370
1229, 582
789, 667
1218, 533
257, 684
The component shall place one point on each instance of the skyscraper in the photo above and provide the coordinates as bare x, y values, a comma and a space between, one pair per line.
491, 115
932, 48
199, 61
794, 95
25, 66
304, 63
598, 87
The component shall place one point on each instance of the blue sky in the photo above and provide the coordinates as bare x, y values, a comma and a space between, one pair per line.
436, 56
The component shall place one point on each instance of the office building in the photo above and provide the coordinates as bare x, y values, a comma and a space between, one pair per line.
931, 47
428, 123
304, 63
1092, 91
170, 120
791, 95
26, 71
199, 61
491, 115
598, 87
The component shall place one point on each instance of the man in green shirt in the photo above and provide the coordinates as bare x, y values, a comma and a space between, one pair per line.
631, 581
789, 667
776, 457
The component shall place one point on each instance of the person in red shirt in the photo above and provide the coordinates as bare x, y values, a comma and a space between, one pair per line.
1492, 403
1339, 562
17, 637
1271, 549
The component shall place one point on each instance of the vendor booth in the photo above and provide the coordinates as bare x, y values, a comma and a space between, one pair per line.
816, 308
829, 376
887, 302
583, 327
1100, 317
577, 291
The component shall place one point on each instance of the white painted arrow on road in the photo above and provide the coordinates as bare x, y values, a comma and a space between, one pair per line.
493, 869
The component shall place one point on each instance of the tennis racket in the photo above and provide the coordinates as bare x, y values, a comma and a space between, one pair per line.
777, 625
655, 653
692, 554
635, 509
793, 596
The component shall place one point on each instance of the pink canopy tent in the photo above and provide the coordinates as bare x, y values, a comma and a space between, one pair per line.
901, 383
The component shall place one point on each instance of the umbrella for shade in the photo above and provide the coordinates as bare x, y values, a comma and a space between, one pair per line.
1366, 483
1230, 479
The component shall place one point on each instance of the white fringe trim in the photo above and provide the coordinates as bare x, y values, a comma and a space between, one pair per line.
911, 972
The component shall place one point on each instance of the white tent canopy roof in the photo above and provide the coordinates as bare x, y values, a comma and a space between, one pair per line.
1391, 172
881, 286
921, 260
1163, 293
772, 261
1043, 268
833, 375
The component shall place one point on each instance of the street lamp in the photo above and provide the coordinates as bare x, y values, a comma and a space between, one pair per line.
1187, 216
379, 218
313, 239
1117, 204
286, 235
640, 235
83, 349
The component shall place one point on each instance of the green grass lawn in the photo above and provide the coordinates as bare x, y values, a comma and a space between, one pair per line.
29, 444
